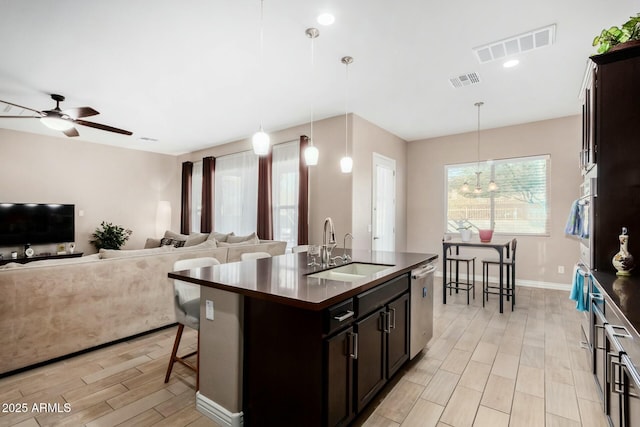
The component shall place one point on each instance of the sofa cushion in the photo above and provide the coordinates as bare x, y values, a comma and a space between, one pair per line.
173, 235
250, 238
220, 237
116, 253
196, 238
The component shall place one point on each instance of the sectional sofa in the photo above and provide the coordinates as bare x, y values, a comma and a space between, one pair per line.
53, 308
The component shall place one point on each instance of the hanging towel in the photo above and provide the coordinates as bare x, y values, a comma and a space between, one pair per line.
577, 290
574, 222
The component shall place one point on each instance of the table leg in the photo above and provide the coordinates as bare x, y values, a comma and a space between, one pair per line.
444, 274
501, 256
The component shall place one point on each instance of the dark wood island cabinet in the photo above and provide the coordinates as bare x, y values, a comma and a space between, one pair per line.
317, 359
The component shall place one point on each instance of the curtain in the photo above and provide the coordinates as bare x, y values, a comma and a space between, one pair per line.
303, 195
285, 184
236, 193
185, 211
264, 224
208, 172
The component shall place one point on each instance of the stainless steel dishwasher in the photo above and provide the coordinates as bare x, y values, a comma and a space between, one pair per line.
421, 307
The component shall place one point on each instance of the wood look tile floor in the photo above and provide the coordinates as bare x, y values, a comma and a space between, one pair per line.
482, 368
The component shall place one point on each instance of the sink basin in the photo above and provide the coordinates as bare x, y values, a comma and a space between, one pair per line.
350, 272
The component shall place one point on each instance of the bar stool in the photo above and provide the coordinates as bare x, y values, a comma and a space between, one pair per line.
187, 308
470, 284
509, 290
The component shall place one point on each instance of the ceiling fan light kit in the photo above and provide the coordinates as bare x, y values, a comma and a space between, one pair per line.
65, 120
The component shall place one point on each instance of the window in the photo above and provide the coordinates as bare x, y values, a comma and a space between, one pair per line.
519, 206
236, 193
285, 184
196, 196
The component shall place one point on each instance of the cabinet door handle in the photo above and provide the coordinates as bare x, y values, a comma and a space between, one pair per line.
614, 373
345, 316
353, 338
386, 324
393, 321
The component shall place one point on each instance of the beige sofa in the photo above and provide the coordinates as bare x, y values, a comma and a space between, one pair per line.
53, 308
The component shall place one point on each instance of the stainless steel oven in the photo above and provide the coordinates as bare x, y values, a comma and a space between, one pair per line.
585, 204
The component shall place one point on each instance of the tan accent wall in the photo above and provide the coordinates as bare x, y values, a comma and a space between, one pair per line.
538, 257
108, 183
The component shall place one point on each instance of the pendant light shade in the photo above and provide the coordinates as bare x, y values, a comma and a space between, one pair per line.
261, 142
346, 164
311, 155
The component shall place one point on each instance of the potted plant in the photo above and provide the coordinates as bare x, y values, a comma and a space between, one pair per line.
465, 230
109, 236
615, 36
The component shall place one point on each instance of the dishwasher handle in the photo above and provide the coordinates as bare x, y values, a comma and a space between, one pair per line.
423, 272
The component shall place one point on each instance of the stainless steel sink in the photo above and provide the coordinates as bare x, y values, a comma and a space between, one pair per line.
350, 272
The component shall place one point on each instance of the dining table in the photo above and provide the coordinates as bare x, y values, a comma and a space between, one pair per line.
502, 246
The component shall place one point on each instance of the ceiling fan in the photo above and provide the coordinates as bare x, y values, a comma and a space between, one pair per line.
65, 120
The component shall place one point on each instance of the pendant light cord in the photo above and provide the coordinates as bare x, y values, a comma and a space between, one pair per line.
346, 111
261, 79
479, 104
312, 80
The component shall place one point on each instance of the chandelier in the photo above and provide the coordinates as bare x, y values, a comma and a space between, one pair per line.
492, 185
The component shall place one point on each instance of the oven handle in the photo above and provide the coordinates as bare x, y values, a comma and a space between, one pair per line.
633, 374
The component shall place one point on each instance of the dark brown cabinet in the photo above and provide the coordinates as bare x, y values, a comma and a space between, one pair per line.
614, 124
322, 368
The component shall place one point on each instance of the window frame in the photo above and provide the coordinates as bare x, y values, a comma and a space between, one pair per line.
492, 164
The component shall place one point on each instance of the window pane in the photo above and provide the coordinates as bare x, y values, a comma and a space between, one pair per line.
196, 196
518, 206
236, 193
285, 184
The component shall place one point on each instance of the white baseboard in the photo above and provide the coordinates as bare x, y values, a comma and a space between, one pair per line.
522, 282
218, 413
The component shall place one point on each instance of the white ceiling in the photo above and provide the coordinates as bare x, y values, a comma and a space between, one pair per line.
188, 73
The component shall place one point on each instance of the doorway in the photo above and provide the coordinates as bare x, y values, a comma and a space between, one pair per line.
383, 204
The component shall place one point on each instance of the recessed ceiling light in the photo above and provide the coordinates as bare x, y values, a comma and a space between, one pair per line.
326, 19
511, 63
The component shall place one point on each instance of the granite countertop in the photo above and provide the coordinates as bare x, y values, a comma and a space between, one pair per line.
284, 278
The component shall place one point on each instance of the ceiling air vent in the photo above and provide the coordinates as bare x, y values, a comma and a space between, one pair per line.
464, 80
530, 40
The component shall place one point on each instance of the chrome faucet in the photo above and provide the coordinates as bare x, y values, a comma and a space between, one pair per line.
345, 256
327, 247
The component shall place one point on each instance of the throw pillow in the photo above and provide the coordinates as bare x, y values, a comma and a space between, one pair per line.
250, 238
166, 241
172, 235
220, 237
152, 243
196, 239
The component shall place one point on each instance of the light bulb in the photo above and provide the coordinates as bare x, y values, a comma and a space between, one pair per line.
492, 186
477, 190
260, 142
311, 155
56, 123
465, 187
346, 164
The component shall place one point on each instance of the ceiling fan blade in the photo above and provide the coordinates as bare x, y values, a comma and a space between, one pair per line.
79, 112
102, 127
19, 117
24, 108
71, 132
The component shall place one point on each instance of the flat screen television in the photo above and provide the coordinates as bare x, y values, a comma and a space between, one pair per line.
36, 223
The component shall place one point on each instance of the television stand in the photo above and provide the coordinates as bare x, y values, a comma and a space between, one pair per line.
23, 259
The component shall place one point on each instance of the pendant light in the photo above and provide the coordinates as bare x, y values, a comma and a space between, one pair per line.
260, 139
346, 163
478, 189
311, 153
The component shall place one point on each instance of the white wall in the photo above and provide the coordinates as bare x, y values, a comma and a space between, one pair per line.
538, 257
107, 183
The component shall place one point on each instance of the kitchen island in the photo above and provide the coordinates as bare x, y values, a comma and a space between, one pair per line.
287, 348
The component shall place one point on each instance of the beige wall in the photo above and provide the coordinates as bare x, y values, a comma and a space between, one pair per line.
539, 257
346, 198
368, 139
108, 183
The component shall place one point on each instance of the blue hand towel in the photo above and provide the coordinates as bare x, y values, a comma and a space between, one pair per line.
574, 222
577, 290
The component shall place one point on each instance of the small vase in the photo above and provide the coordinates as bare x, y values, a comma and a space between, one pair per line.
623, 260
465, 235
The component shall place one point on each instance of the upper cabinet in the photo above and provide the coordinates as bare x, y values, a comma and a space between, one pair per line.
611, 140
